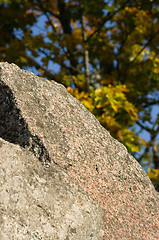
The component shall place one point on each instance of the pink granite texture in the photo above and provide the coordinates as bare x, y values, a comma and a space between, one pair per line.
80, 156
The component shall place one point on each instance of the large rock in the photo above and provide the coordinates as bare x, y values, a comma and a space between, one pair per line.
62, 175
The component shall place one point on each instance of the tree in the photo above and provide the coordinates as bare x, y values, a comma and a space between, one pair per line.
107, 54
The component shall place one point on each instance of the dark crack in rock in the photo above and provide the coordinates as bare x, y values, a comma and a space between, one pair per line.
13, 127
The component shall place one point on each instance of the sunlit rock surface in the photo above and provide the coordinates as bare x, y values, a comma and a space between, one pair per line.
62, 176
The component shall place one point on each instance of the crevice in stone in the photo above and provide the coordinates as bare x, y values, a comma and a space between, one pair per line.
14, 129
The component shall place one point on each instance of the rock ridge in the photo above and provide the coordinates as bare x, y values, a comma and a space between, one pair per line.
88, 186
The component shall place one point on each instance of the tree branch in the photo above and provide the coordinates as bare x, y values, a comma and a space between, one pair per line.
45, 11
86, 53
145, 45
108, 17
155, 155
64, 17
38, 66
142, 126
151, 143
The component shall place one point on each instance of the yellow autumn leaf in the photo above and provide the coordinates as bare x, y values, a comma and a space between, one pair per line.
79, 80
87, 104
41, 70
22, 59
143, 142
153, 174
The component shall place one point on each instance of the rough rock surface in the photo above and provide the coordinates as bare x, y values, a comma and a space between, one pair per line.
62, 176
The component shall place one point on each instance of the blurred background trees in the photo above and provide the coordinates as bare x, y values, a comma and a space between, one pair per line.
106, 53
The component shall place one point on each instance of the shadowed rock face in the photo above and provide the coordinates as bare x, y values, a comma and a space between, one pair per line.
88, 186
13, 127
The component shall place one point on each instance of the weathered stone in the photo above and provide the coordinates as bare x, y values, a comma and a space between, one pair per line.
87, 187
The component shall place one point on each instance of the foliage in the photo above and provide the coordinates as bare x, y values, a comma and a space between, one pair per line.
107, 55
153, 174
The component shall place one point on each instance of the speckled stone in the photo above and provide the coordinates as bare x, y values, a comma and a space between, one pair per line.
62, 176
